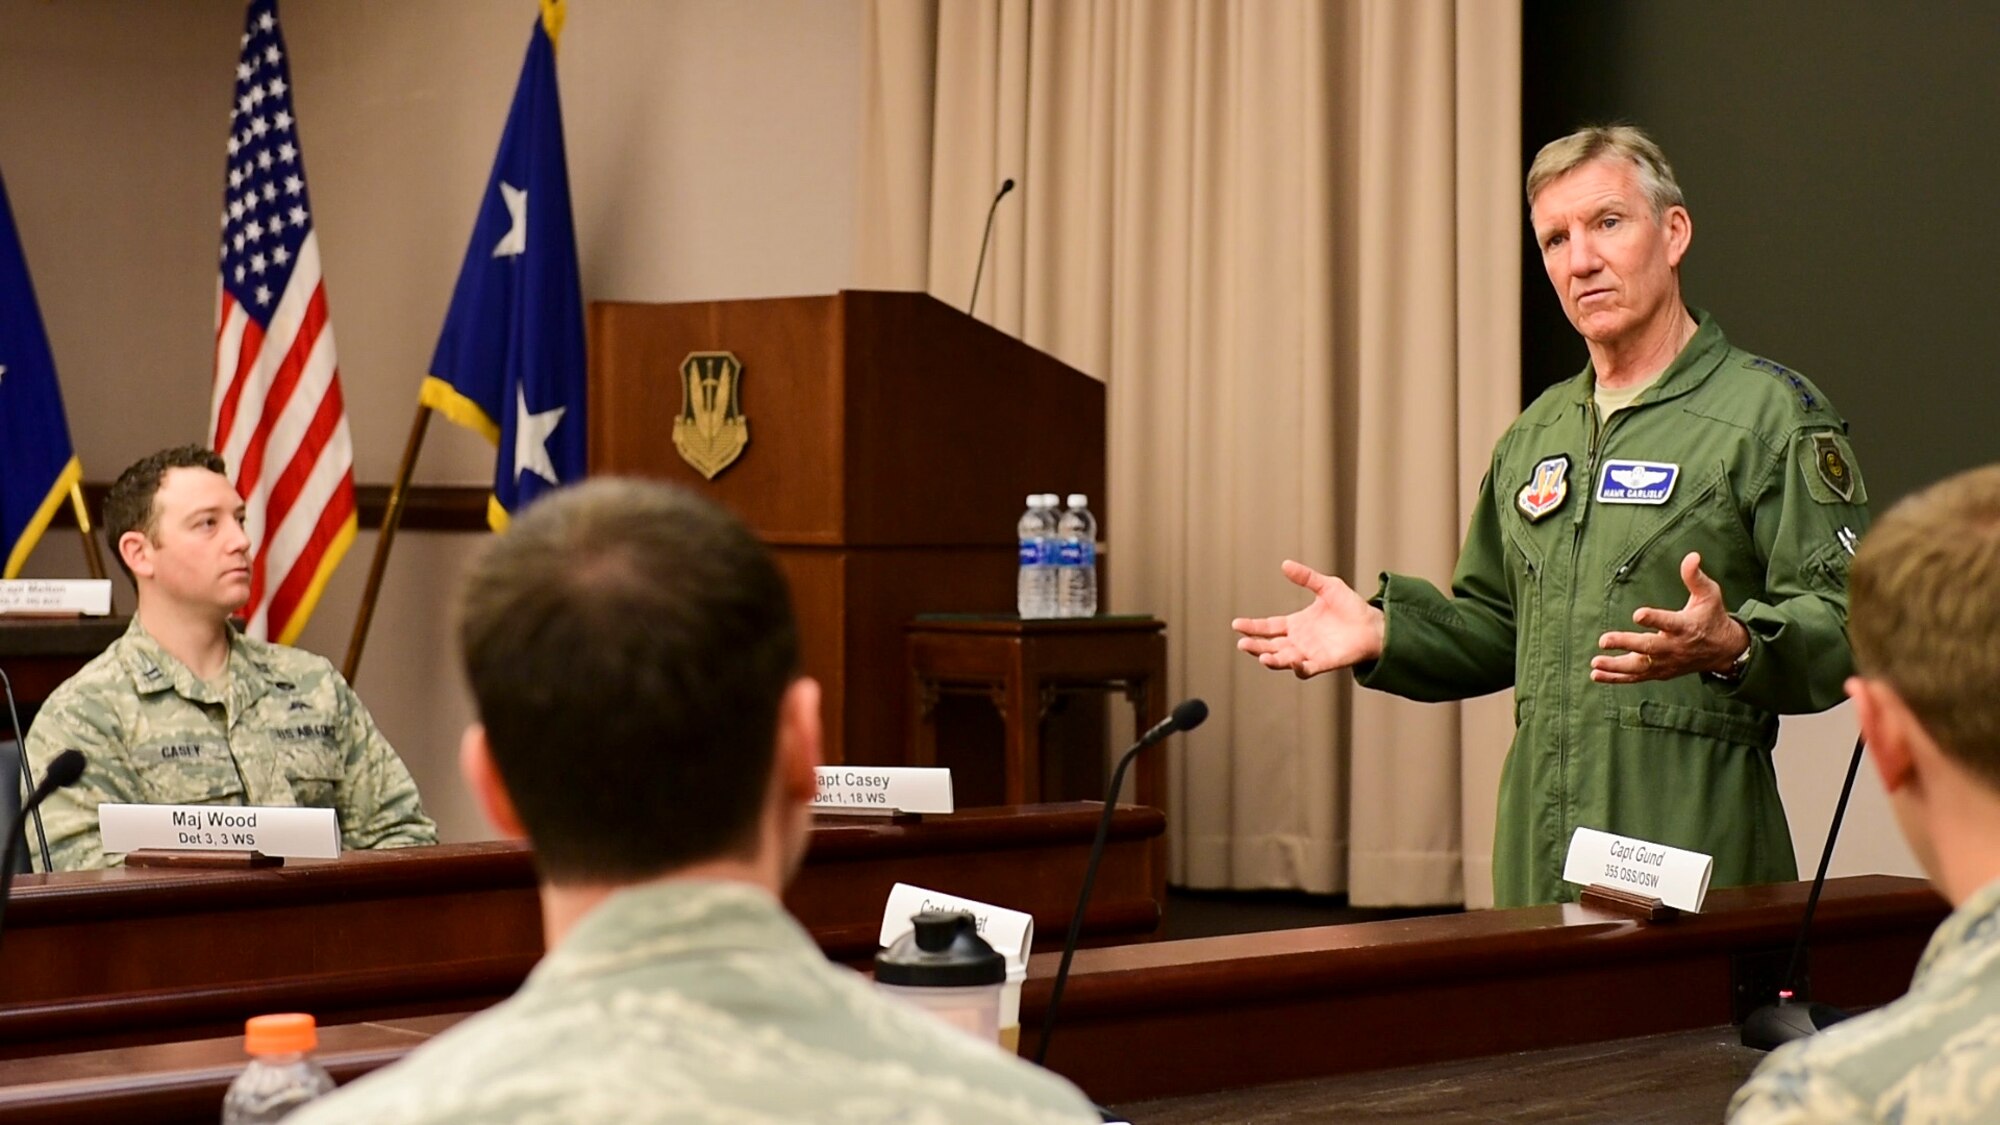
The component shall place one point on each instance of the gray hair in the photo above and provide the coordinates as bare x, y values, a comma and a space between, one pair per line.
1564, 155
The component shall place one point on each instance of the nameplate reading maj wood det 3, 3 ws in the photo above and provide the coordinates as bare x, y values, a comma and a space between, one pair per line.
289, 833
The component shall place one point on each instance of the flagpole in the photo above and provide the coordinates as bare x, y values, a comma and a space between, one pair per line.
92, 557
391, 517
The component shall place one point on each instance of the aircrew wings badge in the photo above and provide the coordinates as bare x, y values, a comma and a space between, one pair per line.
1546, 490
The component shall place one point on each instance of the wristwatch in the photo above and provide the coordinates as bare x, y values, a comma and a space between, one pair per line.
1734, 672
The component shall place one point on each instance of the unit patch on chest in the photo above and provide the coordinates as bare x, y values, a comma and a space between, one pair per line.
1637, 482
1546, 489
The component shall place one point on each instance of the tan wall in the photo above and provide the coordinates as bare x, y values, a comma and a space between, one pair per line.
711, 152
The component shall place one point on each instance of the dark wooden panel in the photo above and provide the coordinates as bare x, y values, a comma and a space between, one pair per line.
1182, 1018
1173, 1018
950, 422
38, 654
132, 956
1681, 1078
427, 507
787, 484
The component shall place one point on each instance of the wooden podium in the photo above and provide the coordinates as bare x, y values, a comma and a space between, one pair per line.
891, 442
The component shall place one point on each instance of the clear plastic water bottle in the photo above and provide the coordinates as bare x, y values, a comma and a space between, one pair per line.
1076, 560
282, 1075
1035, 592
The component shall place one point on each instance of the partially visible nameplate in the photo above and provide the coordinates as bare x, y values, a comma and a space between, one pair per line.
883, 789
291, 833
1011, 933
90, 596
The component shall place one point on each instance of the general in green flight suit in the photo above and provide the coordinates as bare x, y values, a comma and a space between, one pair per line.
1675, 469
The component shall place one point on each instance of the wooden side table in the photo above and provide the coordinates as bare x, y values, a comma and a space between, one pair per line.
1024, 667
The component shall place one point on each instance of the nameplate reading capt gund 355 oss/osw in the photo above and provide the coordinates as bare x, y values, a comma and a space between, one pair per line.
289, 833
1677, 878
883, 789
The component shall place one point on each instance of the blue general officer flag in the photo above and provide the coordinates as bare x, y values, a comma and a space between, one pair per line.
38, 466
510, 361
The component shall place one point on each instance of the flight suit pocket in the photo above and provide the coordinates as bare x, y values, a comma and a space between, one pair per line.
188, 772
1720, 726
312, 764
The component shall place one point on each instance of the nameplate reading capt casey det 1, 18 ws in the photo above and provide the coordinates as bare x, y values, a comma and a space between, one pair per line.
289, 833
1677, 878
883, 789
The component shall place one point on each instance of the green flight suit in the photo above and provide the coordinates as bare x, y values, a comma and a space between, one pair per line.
1561, 552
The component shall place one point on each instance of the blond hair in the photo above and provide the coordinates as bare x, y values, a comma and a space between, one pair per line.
1924, 613
1564, 155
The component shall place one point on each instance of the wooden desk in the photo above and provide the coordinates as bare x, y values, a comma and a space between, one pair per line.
39, 653
1189, 1018
1680, 1078
104, 958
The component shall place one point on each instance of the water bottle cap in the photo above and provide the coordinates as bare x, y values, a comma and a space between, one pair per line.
1034, 500
1049, 500
942, 950
1078, 500
288, 1033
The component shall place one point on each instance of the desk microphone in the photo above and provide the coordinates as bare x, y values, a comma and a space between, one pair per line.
1006, 186
27, 774
1187, 715
63, 772
1793, 1016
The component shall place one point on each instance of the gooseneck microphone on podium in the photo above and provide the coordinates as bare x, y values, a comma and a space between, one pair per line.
1006, 186
1187, 715
1792, 1016
63, 772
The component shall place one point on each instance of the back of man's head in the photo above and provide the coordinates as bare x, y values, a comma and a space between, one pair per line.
1924, 614
629, 645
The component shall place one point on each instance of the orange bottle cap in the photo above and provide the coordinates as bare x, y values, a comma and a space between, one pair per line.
291, 1032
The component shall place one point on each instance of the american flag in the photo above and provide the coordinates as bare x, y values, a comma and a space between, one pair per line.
276, 413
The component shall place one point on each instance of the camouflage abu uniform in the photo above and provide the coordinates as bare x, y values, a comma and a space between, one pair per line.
1931, 1056
690, 1001
283, 729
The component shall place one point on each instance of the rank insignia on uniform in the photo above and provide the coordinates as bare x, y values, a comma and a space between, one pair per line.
1833, 466
1637, 482
1847, 538
1546, 490
711, 431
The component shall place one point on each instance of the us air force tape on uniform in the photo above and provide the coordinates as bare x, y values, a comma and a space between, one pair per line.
288, 833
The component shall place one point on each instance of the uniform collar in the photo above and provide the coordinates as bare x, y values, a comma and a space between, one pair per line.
154, 669
672, 920
1698, 359
1973, 926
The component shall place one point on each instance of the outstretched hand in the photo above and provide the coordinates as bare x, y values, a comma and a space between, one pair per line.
1698, 637
1338, 629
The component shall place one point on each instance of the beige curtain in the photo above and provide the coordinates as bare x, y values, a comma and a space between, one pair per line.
1285, 233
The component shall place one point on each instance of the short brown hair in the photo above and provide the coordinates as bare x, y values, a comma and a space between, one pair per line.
629, 645
1924, 613
1564, 155
129, 504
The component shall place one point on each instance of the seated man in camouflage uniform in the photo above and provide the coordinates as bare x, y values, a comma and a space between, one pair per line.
182, 710
643, 721
1925, 622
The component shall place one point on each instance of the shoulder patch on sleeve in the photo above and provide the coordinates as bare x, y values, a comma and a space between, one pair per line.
1832, 477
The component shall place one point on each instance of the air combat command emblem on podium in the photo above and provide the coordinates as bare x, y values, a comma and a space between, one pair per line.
711, 431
